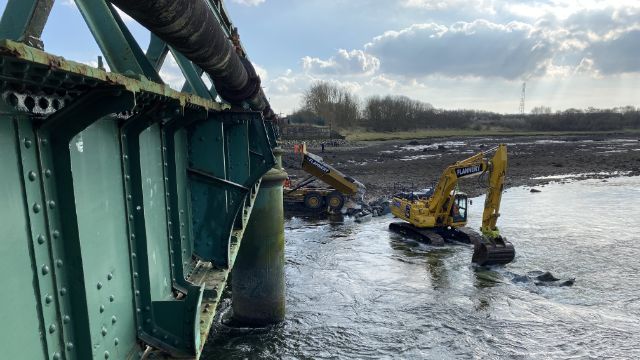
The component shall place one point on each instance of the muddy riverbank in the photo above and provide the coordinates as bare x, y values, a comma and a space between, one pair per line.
386, 167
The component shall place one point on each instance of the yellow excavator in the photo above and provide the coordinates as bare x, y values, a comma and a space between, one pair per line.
441, 213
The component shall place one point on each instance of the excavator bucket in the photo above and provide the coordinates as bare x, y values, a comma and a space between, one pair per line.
498, 251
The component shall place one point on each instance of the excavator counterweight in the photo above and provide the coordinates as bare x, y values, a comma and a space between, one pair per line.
440, 214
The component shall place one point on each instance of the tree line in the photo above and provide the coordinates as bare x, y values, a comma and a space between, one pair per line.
330, 105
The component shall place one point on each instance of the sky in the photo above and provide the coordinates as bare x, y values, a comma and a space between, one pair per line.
453, 54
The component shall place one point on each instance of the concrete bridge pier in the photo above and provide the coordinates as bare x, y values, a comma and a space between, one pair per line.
258, 291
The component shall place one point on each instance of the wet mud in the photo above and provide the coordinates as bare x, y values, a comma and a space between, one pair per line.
389, 166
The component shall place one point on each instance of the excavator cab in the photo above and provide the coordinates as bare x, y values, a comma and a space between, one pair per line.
459, 209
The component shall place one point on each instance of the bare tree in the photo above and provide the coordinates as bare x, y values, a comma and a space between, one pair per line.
336, 105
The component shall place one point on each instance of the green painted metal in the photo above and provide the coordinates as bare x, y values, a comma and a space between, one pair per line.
103, 238
23, 247
157, 51
126, 202
24, 20
121, 51
192, 74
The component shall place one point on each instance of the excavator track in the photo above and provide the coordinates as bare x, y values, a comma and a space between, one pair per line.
498, 251
462, 234
428, 236
485, 251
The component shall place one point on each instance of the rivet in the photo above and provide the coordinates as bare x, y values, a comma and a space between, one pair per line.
138, 310
47, 173
138, 208
101, 308
99, 285
104, 331
32, 175
48, 299
131, 217
44, 141
137, 292
52, 328
135, 275
148, 321
146, 308
41, 239
69, 346
133, 236
56, 356
112, 298
36, 208
52, 204
45, 269
63, 291
113, 319
125, 157
116, 341
59, 263
66, 319
106, 354
56, 234
165, 337
109, 276
127, 177
133, 255
128, 197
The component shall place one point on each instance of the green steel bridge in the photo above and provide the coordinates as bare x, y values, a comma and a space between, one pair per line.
126, 205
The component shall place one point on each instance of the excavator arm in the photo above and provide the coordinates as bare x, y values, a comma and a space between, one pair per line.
497, 173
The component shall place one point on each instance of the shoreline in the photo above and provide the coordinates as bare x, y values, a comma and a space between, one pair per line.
389, 166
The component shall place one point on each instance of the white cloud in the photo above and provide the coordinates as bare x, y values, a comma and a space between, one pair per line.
486, 6
249, 2
479, 48
344, 62
262, 72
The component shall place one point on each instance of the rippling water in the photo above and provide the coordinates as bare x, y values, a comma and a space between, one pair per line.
359, 291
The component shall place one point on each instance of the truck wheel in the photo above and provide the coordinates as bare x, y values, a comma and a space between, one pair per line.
335, 201
313, 200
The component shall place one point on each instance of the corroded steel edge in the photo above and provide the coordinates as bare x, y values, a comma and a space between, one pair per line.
142, 84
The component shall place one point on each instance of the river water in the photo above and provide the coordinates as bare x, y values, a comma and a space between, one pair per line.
359, 291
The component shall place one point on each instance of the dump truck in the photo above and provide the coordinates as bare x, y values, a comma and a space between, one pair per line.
331, 196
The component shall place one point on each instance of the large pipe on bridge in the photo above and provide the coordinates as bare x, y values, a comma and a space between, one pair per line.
190, 27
